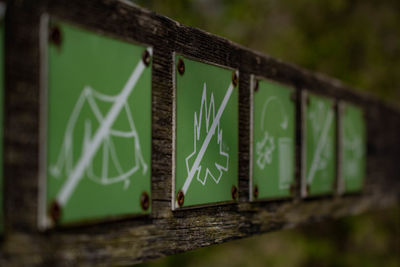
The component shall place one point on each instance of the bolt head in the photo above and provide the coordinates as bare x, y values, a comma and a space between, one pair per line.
308, 189
145, 201
55, 211
235, 79
146, 58
308, 101
234, 192
55, 35
292, 189
255, 191
180, 198
256, 86
181, 66
293, 96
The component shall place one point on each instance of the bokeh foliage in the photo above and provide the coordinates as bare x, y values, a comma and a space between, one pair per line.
356, 41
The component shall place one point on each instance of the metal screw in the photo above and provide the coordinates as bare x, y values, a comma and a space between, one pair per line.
55, 211
255, 191
181, 198
308, 101
256, 86
293, 96
181, 66
145, 201
292, 189
146, 58
55, 35
234, 192
234, 79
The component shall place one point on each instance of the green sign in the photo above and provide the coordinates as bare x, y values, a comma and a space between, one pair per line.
2, 10
320, 136
353, 144
273, 141
98, 126
206, 134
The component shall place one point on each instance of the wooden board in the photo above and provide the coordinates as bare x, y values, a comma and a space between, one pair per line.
164, 231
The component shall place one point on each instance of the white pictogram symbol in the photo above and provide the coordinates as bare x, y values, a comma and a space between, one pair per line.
204, 120
268, 144
101, 141
321, 120
354, 149
207, 116
264, 149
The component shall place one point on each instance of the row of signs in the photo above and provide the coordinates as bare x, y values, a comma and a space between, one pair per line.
96, 162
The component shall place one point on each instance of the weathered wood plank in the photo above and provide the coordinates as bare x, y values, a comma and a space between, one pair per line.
165, 232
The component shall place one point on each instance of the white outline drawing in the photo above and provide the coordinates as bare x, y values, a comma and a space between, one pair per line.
320, 131
285, 162
352, 144
206, 142
266, 146
264, 149
101, 138
209, 115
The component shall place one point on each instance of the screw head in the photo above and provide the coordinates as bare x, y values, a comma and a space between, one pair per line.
308, 189
146, 58
234, 192
144, 201
293, 96
256, 86
55, 211
55, 35
180, 198
343, 109
292, 189
181, 66
308, 101
255, 191
235, 79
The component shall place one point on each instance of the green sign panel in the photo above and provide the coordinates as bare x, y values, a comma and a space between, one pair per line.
273, 141
98, 126
2, 10
320, 137
206, 134
353, 142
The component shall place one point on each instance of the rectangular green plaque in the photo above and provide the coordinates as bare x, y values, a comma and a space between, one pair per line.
98, 126
353, 147
320, 146
2, 11
273, 140
206, 167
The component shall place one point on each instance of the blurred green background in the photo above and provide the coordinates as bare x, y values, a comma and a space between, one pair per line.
355, 41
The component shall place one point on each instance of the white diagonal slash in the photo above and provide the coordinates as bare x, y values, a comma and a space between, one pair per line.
104, 129
207, 140
320, 146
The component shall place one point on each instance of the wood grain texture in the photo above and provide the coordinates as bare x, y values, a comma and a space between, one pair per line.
164, 232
